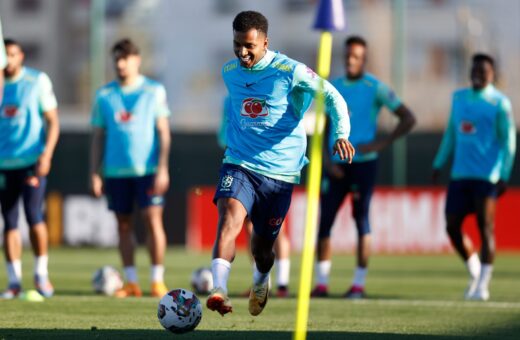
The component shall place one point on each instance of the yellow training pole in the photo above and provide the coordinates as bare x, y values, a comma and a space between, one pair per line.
313, 193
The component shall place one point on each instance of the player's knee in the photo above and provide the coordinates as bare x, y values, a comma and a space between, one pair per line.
33, 217
362, 224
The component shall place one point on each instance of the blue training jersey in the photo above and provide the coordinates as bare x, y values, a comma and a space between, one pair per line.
128, 115
27, 97
265, 131
222, 131
480, 134
365, 97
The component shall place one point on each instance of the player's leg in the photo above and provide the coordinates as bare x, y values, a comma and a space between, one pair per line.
269, 211
458, 205
363, 181
152, 212
485, 207
234, 199
33, 196
332, 196
120, 194
282, 250
10, 192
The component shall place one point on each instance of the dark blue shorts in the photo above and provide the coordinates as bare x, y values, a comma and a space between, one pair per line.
265, 199
13, 185
359, 180
123, 192
463, 195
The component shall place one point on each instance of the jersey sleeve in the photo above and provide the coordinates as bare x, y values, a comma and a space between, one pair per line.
306, 80
387, 97
47, 98
447, 145
97, 119
222, 132
507, 137
162, 109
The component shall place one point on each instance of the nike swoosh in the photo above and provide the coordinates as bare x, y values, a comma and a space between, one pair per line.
250, 84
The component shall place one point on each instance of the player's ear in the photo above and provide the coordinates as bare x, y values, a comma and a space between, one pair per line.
266, 43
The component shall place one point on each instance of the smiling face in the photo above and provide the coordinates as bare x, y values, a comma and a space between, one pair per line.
250, 47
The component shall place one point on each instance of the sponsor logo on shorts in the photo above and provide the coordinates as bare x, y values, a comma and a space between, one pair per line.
275, 221
226, 183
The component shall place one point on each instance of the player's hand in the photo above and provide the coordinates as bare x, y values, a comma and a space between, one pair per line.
436, 174
344, 149
374, 146
335, 171
161, 182
96, 185
501, 188
43, 165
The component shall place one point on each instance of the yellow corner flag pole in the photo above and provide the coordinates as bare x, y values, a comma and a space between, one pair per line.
329, 17
313, 192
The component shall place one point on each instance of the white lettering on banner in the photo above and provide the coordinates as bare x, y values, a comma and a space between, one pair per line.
401, 221
87, 221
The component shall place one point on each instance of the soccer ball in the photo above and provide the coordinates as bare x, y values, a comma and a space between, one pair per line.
202, 280
179, 311
106, 280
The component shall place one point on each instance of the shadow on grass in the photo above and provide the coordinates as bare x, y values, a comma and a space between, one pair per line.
78, 334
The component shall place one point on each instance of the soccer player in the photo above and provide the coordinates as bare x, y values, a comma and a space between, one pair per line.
29, 131
282, 245
3, 63
265, 152
366, 95
131, 140
481, 136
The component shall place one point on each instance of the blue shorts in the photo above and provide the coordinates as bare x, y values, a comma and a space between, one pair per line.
265, 199
123, 192
13, 185
464, 193
359, 180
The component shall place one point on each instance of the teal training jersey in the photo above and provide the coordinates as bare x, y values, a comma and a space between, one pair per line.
365, 97
265, 131
3, 57
480, 135
222, 131
22, 124
128, 115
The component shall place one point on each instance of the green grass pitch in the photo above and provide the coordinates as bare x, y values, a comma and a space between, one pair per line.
410, 297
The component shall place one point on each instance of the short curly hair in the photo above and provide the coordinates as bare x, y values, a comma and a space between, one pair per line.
247, 20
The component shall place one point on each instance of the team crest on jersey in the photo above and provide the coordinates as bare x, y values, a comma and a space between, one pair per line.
226, 182
467, 127
124, 116
9, 111
254, 107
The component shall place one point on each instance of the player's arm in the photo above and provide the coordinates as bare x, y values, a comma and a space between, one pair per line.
162, 125
306, 80
97, 148
445, 149
506, 132
49, 109
3, 63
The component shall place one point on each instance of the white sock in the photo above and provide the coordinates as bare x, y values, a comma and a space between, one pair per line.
283, 268
40, 266
473, 266
131, 274
220, 270
485, 276
157, 273
14, 272
258, 277
323, 272
360, 275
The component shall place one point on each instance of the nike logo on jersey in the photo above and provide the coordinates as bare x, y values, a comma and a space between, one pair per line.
250, 84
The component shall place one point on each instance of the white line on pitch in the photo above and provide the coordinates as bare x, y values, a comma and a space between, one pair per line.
439, 303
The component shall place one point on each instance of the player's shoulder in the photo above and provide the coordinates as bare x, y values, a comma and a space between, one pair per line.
498, 95
107, 89
283, 63
230, 66
461, 93
32, 74
150, 84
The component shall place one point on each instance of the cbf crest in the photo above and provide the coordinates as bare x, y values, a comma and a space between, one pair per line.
226, 183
